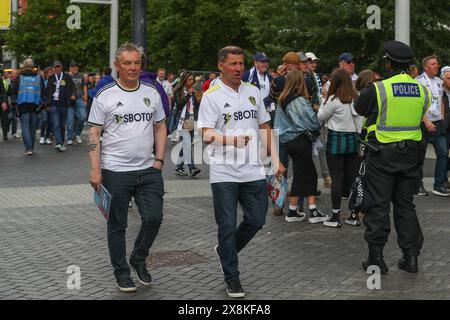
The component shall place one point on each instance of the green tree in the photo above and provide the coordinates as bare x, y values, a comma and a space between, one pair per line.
188, 34
331, 27
42, 33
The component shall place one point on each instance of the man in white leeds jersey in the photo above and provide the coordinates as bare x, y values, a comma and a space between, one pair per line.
131, 115
231, 116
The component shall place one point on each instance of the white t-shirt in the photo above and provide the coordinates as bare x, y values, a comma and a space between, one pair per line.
234, 113
436, 90
264, 84
167, 87
127, 119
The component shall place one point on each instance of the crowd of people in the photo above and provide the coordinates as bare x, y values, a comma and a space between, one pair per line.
313, 115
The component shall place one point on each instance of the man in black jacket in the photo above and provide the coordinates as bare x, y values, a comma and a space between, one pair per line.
3, 109
60, 90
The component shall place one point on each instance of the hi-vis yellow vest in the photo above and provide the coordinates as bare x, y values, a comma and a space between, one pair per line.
402, 102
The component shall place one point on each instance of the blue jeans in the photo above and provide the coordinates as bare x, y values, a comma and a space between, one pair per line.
12, 120
59, 114
28, 122
79, 111
439, 141
45, 123
252, 197
147, 188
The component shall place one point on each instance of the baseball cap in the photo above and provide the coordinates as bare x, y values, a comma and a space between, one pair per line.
73, 64
261, 56
302, 56
311, 56
346, 57
57, 63
291, 58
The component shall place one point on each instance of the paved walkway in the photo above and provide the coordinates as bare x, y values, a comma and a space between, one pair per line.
48, 222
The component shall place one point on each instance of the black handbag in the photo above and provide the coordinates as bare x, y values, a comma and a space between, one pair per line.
360, 200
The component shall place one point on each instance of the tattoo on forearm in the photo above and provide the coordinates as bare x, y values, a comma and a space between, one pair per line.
92, 147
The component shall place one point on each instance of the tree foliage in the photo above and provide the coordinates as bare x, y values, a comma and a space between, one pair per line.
330, 27
42, 33
188, 33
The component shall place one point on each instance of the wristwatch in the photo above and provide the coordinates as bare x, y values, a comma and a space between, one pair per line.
160, 160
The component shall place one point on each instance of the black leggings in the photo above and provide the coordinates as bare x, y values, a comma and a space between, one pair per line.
343, 171
304, 182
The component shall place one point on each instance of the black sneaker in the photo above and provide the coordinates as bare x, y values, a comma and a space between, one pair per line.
422, 190
194, 172
181, 172
141, 271
440, 192
295, 215
334, 222
315, 216
125, 284
234, 289
353, 220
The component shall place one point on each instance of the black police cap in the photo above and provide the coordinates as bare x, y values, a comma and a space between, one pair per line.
398, 52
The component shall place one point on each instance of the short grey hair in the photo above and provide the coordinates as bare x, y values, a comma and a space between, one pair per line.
28, 63
444, 70
128, 46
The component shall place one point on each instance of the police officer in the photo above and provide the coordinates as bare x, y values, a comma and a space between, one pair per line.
394, 108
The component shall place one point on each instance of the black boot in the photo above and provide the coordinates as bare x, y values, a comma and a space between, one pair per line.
375, 258
409, 263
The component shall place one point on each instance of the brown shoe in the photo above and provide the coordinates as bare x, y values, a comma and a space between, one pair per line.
327, 182
277, 211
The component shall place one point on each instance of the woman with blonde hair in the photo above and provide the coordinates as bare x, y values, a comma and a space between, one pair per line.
298, 126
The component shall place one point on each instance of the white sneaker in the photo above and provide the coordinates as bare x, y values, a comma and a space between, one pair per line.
69, 142
63, 148
48, 141
78, 138
58, 147
17, 136
42, 140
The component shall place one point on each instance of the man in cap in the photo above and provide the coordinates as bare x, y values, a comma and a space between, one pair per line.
293, 60
312, 66
394, 108
311, 85
312, 63
77, 108
347, 63
260, 78
60, 89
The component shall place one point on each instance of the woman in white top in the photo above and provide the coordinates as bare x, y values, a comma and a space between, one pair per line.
344, 126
